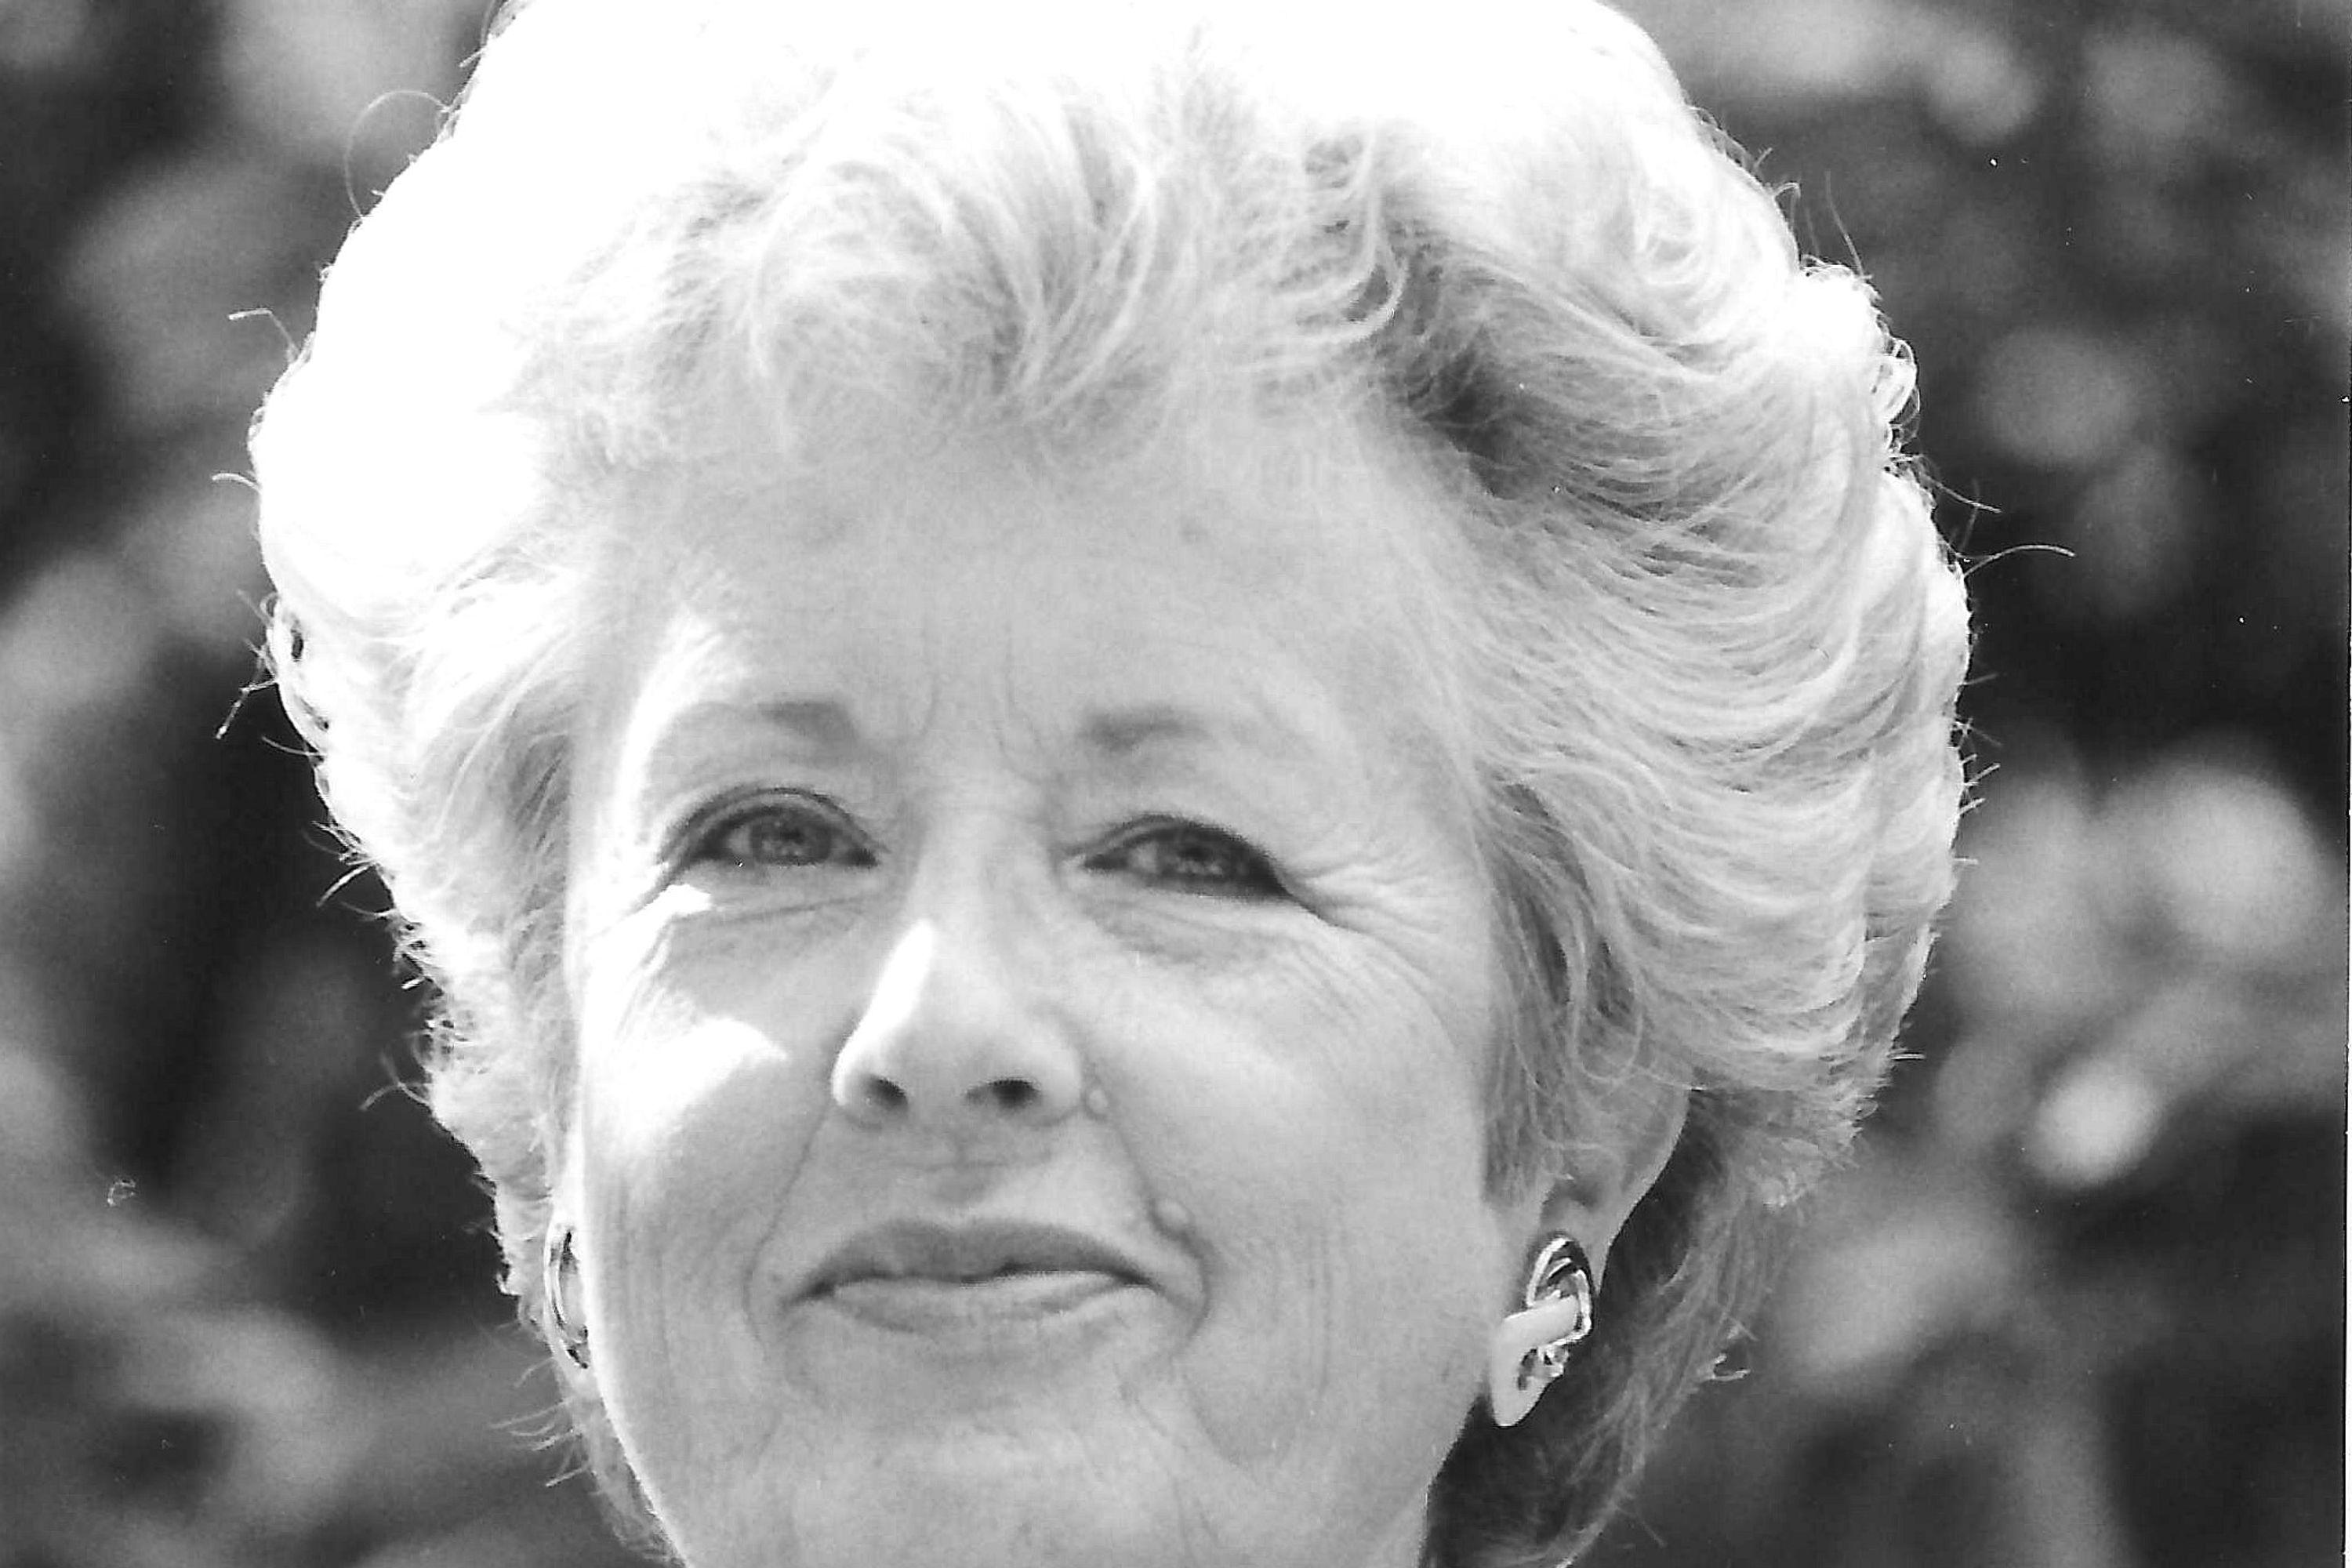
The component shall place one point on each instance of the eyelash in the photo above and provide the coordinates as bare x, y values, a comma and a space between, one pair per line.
705, 838
1251, 877
1244, 874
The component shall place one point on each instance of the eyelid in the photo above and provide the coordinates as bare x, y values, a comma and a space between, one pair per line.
1260, 863
690, 839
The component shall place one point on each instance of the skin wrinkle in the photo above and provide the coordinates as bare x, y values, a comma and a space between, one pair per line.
656, 217
635, 1021
1366, 897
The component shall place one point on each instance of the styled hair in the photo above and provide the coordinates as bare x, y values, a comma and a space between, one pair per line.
1712, 639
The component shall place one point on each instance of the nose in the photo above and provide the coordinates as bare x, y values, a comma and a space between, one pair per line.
950, 1042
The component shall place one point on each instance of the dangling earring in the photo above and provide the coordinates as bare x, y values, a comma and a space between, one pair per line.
563, 1274
1529, 1348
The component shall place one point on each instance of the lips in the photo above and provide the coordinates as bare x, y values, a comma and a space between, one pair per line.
978, 1300
926, 1253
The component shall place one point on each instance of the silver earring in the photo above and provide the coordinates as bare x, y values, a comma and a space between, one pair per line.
563, 1275
1560, 1272
1529, 1348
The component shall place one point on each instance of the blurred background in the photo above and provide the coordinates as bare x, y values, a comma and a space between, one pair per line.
2081, 1301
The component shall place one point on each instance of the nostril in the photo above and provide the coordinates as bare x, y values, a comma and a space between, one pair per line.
884, 1094
1010, 1093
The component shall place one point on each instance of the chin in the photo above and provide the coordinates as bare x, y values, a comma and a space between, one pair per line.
977, 1512
1009, 1500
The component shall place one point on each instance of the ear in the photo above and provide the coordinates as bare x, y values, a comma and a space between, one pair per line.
1637, 1121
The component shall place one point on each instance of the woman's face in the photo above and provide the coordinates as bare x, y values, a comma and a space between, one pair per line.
1034, 985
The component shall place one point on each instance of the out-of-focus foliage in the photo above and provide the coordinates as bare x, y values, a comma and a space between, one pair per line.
2081, 1301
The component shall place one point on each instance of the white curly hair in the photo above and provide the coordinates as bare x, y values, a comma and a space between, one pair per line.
1712, 637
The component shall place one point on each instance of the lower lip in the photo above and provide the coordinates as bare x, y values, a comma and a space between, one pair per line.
949, 1308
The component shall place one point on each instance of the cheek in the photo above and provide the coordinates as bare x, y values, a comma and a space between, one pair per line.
692, 1063
685, 1036
1325, 1135
693, 1122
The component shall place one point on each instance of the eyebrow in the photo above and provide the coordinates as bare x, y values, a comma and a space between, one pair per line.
1119, 733
820, 724
824, 723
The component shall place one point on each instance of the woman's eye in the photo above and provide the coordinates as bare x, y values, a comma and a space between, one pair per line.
793, 833
1193, 859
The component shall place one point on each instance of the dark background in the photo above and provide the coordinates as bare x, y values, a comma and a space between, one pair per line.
2082, 1300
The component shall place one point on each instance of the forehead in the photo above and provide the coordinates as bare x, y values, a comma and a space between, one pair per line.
1241, 569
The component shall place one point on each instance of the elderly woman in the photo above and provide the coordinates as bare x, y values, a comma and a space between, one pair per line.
1116, 736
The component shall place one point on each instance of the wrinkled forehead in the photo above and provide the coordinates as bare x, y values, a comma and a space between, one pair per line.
1314, 518
1286, 475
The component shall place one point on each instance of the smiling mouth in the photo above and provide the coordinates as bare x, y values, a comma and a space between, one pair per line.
936, 1306
949, 1279
953, 1281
